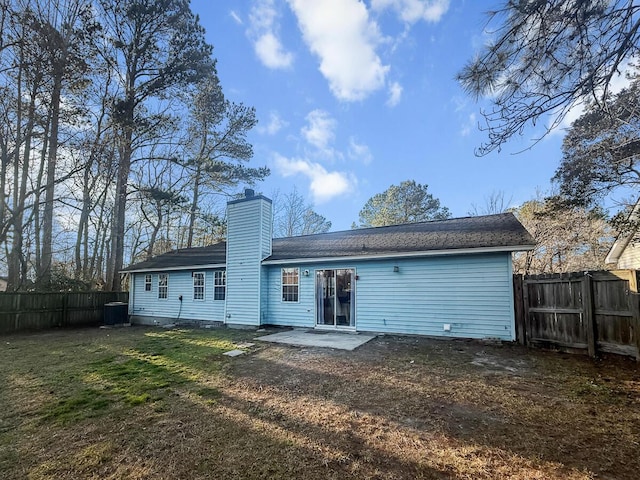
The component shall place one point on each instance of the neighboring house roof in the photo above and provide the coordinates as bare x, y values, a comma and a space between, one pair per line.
502, 232
621, 243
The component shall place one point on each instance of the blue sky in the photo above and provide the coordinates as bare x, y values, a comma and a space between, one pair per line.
354, 96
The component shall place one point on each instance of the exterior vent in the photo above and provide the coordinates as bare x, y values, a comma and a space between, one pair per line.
249, 192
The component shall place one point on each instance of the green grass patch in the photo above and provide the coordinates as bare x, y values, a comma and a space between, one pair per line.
129, 374
210, 395
84, 404
134, 400
594, 390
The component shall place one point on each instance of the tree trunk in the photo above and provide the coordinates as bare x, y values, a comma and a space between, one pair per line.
194, 204
17, 266
44, 275
156, 229
118, 225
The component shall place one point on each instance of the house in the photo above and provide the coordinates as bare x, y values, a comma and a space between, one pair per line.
448, 278
625, 251
3, 284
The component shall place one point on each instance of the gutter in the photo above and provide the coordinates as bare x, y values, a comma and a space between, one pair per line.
382, 256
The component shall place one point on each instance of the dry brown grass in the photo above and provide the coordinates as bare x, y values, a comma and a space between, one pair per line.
143, 403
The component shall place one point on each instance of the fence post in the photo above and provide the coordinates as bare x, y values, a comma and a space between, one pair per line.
518, 304
588, 312
634, 303
65, 310
525, 312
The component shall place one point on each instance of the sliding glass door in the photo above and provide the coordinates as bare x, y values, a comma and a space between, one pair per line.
335, 298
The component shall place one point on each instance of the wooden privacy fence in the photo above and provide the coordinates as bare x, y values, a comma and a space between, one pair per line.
585, 312
35, 311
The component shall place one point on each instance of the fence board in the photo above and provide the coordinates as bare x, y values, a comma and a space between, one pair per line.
519, 312
37, 311
582, 311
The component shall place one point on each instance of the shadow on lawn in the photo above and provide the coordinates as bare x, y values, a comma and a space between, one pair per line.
200, 429
533, 422
278, 413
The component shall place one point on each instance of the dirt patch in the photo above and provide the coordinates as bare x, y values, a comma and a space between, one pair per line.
496, 364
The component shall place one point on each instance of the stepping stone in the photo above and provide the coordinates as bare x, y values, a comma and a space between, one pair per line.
234, 353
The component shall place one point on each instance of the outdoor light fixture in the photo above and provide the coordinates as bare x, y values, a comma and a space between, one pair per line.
305, 273
396, 268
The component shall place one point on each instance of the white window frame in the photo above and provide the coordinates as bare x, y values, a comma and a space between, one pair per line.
292, 289
219, 285
199, 289
163, 288
148, 282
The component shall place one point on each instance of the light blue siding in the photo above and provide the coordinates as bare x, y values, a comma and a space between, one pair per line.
291, 314
248, 242
473, 294
266, 229
147, 304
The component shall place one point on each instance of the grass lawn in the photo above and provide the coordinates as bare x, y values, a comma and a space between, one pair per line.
166, 404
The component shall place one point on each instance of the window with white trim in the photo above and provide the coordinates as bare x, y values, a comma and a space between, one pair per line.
147, 282
198, 285
163, 285
219, 284
290, 281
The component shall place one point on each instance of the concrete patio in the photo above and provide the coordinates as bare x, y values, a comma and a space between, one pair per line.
319, 338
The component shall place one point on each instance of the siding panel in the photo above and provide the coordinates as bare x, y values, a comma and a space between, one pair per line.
630, 258
248, 238
471, 293
180, 283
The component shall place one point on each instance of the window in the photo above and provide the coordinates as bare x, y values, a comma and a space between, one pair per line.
198, 285
290, 284
219, 284
147, 282
163, 285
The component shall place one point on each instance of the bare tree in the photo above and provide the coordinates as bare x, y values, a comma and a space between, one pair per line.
567, 240
495, 202
293, 216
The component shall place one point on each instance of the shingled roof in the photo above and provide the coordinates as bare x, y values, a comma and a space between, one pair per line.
502, 232
212, 255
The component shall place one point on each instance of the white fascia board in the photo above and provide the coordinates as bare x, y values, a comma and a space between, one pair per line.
617, 249
171, 269
621, 243
430, 253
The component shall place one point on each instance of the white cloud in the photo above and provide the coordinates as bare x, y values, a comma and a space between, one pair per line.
359, 151
412, 11
344, 38
324, 185
469, 126
271, 53
236, 17
264, 33
460, 103
275, 124
395, 94
320, 129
